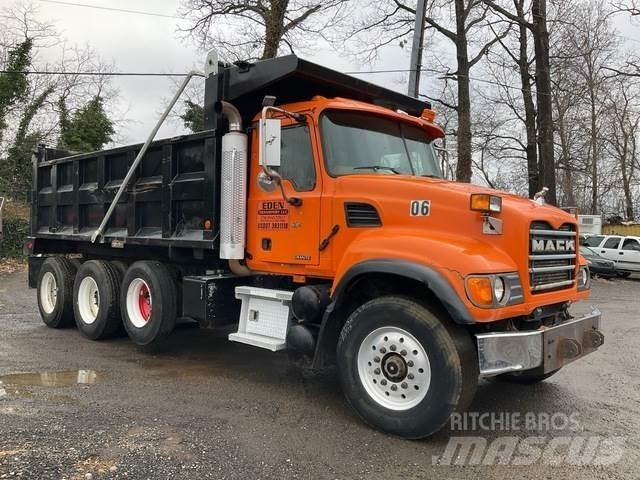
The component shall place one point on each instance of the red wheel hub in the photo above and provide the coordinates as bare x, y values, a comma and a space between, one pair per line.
144, 302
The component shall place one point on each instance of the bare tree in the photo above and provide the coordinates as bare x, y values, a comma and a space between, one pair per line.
544, 119
516, 52
590, 39
624, 135
253, 29
458, 21
36, 117
631, 7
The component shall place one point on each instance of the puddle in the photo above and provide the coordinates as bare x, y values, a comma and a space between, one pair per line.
52, 379
14, 392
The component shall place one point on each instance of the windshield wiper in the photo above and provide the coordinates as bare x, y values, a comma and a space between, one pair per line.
375, 168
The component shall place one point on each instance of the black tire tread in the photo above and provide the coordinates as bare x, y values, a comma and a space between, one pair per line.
107, 279
65, 317
528, 377
461, 343
167, 291
113, 323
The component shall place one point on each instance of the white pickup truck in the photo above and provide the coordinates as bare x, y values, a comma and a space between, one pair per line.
624, 251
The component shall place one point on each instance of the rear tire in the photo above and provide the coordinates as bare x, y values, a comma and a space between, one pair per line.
96, 294
55, 292
148, 301
404, 368
120, 267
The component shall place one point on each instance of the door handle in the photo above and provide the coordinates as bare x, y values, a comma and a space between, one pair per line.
602, 251
620, 253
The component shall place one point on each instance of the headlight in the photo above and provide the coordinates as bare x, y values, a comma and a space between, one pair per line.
497, 290
584, 278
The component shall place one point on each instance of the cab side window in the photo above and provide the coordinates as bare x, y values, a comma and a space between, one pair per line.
296, 158
612, 243
631, 244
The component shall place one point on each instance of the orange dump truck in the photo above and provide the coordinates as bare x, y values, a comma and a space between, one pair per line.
312, 216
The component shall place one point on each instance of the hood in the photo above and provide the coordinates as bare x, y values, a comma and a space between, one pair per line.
448, 195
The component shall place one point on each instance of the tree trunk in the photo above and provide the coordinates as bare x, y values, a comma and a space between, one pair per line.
628, 198
529, 107
274, 28
463, 168
626, 177
594, 153
544, 101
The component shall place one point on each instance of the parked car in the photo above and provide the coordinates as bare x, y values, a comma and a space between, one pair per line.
624, 251
597, 264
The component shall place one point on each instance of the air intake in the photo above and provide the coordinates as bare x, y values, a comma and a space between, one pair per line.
361, 215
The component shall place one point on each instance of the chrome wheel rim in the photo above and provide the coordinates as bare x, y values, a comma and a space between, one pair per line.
139, 303
394, 368
48, 293
88, 300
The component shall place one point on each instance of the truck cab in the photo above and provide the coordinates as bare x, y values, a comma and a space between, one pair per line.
313, 214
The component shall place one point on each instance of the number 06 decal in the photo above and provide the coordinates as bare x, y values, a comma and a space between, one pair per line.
420, 208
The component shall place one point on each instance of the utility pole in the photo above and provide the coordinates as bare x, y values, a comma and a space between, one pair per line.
416, 49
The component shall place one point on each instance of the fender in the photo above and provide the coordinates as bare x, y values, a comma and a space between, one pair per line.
432, 280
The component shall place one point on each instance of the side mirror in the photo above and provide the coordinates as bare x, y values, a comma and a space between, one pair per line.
269, 130
445, 166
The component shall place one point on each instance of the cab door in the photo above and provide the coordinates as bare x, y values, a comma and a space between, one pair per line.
609, 248
279, 232
629, 255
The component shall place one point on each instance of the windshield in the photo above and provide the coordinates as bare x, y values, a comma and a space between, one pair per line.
355, 142
587, 251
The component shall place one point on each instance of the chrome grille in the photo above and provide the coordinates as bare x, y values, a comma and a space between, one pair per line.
552, 257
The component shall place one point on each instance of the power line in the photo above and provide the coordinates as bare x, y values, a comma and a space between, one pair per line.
155, 74
96, 74
112, 9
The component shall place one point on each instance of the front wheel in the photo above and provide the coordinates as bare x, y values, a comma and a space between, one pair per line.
404, 369
527, 377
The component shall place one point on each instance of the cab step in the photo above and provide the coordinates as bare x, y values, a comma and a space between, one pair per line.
264, 317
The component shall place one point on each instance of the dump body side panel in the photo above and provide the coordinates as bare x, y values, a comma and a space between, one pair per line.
170, 200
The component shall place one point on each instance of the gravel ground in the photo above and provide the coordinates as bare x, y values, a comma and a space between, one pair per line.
203, 407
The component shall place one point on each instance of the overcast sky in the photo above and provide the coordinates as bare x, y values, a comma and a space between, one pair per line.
142, 43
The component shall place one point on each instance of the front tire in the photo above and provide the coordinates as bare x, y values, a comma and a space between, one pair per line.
55, 292
148, 301
404, 368
528, 377
96, 294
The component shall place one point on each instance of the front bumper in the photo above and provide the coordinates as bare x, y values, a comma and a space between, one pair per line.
604, 270
547, 347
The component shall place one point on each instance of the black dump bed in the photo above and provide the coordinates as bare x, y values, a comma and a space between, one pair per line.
165, 201
173, 198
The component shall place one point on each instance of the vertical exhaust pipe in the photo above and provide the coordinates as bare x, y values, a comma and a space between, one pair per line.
233, 208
